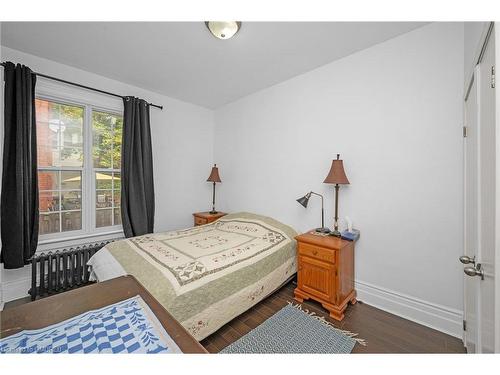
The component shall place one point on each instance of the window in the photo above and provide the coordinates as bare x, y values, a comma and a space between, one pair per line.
79, 152
106, 152
60, 166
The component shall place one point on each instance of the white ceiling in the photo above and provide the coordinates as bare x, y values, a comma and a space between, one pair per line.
183, 60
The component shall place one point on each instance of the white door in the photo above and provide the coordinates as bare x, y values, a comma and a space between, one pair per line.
480, 206
471, 285
487, 204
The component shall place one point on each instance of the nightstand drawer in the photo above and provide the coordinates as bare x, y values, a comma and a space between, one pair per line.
200, 221
315, 252
202, 218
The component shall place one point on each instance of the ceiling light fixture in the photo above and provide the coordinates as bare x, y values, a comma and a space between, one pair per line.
223, 29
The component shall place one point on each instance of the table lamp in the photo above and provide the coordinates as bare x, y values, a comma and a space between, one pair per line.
214, 177
305, 200
336, 176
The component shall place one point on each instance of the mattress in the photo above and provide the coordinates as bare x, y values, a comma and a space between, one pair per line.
207, 275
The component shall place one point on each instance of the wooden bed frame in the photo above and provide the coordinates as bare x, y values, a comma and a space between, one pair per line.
57, 308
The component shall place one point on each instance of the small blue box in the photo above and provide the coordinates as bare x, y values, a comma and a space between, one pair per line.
350, 236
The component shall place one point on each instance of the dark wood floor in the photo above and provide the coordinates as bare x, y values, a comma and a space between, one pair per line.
383, 332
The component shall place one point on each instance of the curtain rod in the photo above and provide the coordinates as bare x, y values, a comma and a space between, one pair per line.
85, 87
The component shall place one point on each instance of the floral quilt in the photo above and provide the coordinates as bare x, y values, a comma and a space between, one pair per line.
207, 275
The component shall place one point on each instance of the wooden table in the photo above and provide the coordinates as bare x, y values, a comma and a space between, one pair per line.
202, 218
325, 272
57, 308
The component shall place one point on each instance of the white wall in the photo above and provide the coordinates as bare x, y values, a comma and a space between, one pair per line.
394, 113
182, 136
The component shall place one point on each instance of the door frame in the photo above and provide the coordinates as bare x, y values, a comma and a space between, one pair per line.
497, 200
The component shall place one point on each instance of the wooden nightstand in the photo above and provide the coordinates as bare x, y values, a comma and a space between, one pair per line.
201, 218
325, 272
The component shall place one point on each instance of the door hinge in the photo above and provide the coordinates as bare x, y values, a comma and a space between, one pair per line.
493, 77
464, 131
464, 325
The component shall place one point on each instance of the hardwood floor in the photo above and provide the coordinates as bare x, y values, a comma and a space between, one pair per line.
383, 332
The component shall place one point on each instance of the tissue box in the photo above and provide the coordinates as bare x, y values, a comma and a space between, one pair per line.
350, 236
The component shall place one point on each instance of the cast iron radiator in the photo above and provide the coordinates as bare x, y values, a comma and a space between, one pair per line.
62, 270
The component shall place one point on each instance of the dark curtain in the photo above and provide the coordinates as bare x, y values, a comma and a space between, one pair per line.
138, 196
19, 202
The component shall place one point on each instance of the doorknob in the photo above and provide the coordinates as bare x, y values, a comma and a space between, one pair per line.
478, 271
466, 259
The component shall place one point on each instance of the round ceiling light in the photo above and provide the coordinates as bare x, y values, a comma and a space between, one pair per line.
223, 29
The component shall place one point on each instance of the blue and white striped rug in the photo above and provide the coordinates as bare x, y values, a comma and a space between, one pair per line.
292, 330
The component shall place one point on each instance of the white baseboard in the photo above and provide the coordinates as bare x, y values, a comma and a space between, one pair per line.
432, 315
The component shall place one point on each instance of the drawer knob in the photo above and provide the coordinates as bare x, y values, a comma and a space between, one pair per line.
315, 252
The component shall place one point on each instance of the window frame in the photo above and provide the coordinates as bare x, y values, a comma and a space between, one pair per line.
89, 102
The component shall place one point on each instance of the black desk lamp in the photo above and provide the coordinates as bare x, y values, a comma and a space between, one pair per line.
305, 200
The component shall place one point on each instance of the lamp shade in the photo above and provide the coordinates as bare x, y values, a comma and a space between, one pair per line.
304, 200
337, 173
214, 175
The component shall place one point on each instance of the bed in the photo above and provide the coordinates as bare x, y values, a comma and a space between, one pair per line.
207, 275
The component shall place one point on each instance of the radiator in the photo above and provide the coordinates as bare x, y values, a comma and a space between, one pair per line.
62, 270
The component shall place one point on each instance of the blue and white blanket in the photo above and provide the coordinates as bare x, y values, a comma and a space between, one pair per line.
128, 326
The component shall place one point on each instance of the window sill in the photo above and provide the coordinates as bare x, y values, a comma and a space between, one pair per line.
77, 240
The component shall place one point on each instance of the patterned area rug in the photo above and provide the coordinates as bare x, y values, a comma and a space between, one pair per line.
292, 330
